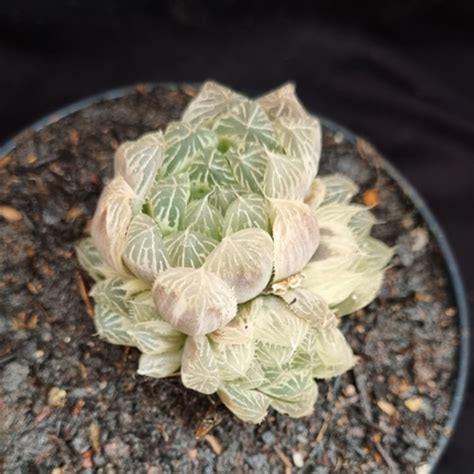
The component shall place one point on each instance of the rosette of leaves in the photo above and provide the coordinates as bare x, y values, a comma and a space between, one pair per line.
218, 253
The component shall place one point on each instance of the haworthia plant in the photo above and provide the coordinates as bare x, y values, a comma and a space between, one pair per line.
218, 253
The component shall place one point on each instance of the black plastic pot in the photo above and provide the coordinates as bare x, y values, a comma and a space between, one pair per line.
456, 284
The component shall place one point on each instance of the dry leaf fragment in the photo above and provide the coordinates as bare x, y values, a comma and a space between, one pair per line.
57, 397
414, 404
10, 214
214, 444
94, 437
386, 407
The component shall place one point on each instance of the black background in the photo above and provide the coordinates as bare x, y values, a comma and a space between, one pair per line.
399, 73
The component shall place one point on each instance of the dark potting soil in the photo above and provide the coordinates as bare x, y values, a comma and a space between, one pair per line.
71, 402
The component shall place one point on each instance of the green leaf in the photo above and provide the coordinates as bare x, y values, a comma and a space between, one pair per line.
362, 222
276, 324
138, 161
272, 356
222, 197
184, 142
234, 360
90, 260
156, 337
248, 164
333, 351
159, 365
246, 122
145, 253
248, 405
112, 326
247, 211
244, 260
253, 378
203, 217
142, 308
207, 170
199, 366
189, 249
213, 100
168, 202
363, 293
112, 294
295, 237
196, 302
339, 189
336, 213
373, 256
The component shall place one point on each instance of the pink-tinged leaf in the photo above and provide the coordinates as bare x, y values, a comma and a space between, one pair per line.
196, 302
244, 260
295, 236
111, 220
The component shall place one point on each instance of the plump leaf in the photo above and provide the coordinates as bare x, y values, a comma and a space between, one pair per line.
336, 213
145, 253
301, 138
196, 302
142, 308
112, 294
282, 102
237, 331
185, 141
315, 196
311, 307
199, 366
273, 357
168, 202
286, 177
213, 100
138, 161
111, 220
247, 211
362, 222
276, 324
209, 169
363, 293
156, 337
201, 216
244, 260
248, 164
253, 378
295, 236
248, 405
333, 351
338, 249
339, 189
159, 365
90, 260
234, 360
189, 249
223, 196
112, 326
373, 255
334, 285
246, 122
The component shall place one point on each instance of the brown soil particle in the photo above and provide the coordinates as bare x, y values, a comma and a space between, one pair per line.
386, 415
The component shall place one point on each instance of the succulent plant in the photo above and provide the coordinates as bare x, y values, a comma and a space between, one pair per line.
219, 254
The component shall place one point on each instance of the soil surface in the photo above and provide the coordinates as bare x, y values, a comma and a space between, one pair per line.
70, 402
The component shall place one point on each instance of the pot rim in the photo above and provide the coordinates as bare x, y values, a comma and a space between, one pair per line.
455, 280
